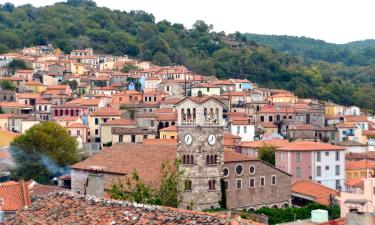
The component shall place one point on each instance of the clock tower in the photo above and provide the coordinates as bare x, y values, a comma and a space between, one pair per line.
200, 150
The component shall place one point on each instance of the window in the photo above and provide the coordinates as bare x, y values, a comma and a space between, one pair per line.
120, 138
96, 121
298, 157
226, 185
212, 185
261, 118
188, 159
208, 89
298, 172
133, 138
245, 129
270, 118
337, 156
318, 171
327, 167
262, 181
318, 157
145, 136
327, 153
349, 176
226, 172
238, 184
96, 131
239, 170
355, 175
238, 129
187, 185
252, 182
337, 170
273, 180
338, 186
211, 159
78, 132
252, 169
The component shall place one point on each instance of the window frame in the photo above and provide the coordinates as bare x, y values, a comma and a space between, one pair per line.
235, 169
264, 181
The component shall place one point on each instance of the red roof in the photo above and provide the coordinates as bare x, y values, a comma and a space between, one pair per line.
76, 125
310, 146
318, 192
15, 195
170, 128
120, 122
256, 144
359, 165
106, 112
355, 119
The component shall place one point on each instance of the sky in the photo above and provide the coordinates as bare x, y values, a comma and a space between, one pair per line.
335, 21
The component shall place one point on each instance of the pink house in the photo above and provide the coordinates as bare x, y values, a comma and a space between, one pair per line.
320, 162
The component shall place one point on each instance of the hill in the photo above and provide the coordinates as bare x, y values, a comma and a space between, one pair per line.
78, 24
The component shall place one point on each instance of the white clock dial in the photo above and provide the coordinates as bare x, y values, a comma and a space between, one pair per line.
211, 139
188, 139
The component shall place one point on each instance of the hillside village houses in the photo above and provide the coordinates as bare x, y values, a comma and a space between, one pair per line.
216, 128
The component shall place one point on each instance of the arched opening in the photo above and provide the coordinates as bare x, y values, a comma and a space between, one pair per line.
274, 207
205, 115
251, 209
183, 118
194, 115
216, 120
285, 205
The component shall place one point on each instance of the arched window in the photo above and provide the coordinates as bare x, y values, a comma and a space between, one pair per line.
211, 159
217, 116
184, 159
194, 114
183, 115
191, 159
215, 159
208, 160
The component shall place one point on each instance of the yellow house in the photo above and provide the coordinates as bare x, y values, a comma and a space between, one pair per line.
168, 132
283, 97
35, 86
99, 117
6, 137
332, 109
355, 170
4, 118
77, 68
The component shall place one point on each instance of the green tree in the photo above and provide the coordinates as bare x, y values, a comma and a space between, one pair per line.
267, 154
16, 64
73, 84
42, 152
128, 67
171, 189
7, 85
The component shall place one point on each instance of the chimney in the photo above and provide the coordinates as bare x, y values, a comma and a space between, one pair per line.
95, 185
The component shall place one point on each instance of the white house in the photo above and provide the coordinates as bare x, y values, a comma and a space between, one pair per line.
243, 128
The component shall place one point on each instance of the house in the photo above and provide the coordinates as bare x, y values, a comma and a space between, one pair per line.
7, 96
332, 109
166, 117
4, 120
15, 196
242, 85
15, 108
152, 83
352, 110
168, 132
320, 162
133, 135
106, 129
99, 117
78, 131
127, 97
35, 86
302, 131
307, 191
283, 97
172, 87
352, 146
243, 127
205, 89
24, 74
251, 147
360, 121
43, 109
225, 85
63, 89
28, 98
357, 169
348, 132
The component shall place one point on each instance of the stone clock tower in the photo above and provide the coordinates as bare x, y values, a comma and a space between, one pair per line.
200, 149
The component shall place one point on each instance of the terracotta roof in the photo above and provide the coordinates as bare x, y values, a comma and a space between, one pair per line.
123, 122
350, 143
256, 144
269, 125
241, 121
159, 141
368, 132
170, 128
166, 116
318, 192
76, 125
345, 125
57, 87
359, 165
125, 130
12, 104
355, 183
205, 85
231, 136
302, 127
106, 112
273, 109
222, 82
6, 116
69, 208
38, 190
84, 102
355, 119
165, 110
15, 195
232, 156
28, 95
33, 83
309, 146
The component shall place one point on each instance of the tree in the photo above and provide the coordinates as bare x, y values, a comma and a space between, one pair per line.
128, 67
73, 84
42, 152
7, 85
169, 193
16, 64
267, 154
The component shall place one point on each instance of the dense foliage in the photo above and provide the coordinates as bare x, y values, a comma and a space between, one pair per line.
81, 24
267, 154
282, 215
43, 152
169, 192
7, 85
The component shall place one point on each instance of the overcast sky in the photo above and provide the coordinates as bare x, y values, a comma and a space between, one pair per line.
337, 21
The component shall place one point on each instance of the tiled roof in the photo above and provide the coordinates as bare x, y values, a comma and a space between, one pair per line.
223, 82
166, 116
76, 125
302, 127
256, 144
269, 125
165, 110
159, 141
12, 104
309, 146
170, 128
68, 208
359, 165
38, 190
106, 112
84, 102
355, 119
345, 125
318, 192
125, 130
57, 87
6, 116
205, 85
349, 143
123, 122
28, 95
232, 156
15, 195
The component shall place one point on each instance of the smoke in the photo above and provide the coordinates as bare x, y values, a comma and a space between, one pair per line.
53, 167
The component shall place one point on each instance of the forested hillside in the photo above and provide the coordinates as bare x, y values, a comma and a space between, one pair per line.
80, 23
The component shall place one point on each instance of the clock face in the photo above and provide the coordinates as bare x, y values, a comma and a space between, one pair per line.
188, 139
211, 139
